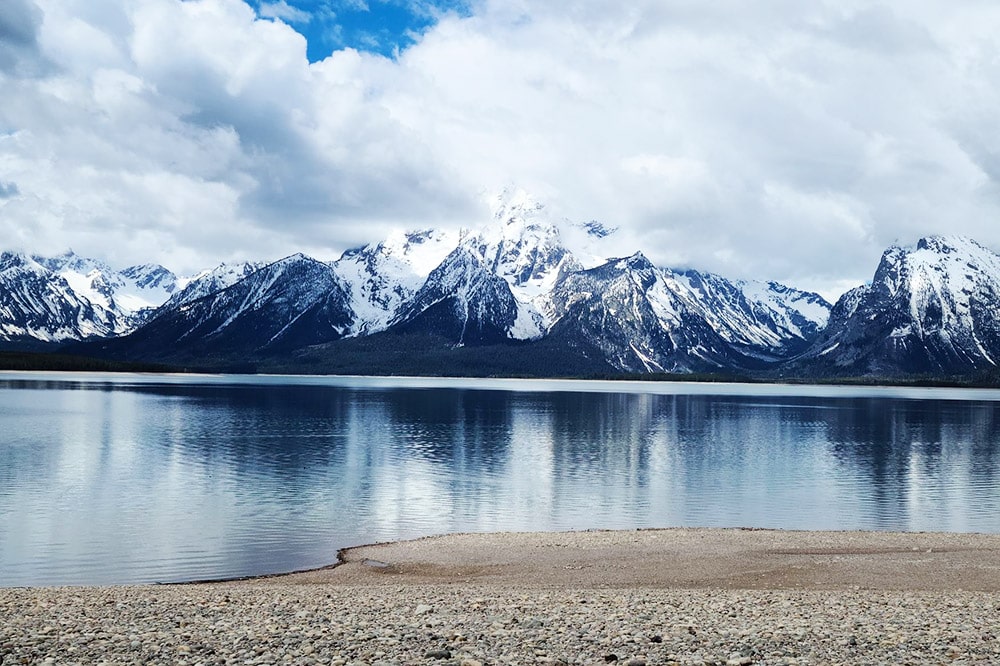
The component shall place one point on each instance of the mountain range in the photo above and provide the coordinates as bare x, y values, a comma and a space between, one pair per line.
526, 293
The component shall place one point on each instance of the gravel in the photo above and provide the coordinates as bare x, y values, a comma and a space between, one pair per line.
470, 625
380, 616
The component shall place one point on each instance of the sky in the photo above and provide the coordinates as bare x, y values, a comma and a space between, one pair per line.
774, 140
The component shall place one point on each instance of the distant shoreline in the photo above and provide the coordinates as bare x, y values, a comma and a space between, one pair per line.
803, 388
54, 361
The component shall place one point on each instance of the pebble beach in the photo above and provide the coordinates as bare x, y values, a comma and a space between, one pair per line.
632, 597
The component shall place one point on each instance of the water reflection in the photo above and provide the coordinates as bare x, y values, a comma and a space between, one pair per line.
121, 482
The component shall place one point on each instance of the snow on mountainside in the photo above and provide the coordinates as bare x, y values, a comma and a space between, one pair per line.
131, 293
524, 246
84, 298
37, 304
210, 281
463, 302
526, 274
640, 318
146, 286
129, 290
382, 277
756, 316
930, 308
521, 244
650, 319
292, 303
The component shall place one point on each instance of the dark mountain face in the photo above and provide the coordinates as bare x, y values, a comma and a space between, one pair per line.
930, 309
293, 303
461, 302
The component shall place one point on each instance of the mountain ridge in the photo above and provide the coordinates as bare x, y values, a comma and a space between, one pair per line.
527, 282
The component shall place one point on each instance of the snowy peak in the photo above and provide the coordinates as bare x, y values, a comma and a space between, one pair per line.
517, 217
131, 293
938, 281
512, 205
523, 251
467, 304
11, 261
636, 263
380, 278
90, 278
760, 317
930, 308
646, 318
209, 282
150, 277
72, 262
625, 312
597, 230
37, 304
289, 304
522, 245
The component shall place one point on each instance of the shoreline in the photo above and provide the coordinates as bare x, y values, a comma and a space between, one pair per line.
778, 387
691, 596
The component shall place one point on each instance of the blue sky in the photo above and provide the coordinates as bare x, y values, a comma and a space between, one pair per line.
385, 27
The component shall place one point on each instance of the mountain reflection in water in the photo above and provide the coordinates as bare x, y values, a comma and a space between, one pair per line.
114, 481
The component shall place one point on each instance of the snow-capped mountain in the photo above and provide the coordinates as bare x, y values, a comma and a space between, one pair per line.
930, 308
208, 282
129, 290
524, 246
131, 294
292, 303
763, 319
647, 319
69, 297
524, 275
521, 244
39, 305
382, 277
85, 298
465, 303
650, 319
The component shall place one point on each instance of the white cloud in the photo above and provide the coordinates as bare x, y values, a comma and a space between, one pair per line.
283, 11
780, 140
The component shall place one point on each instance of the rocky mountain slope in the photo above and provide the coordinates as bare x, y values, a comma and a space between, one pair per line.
68, 297
39, 306
932, 308
283, 306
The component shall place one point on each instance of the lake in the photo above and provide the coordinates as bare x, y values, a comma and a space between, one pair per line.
141, 478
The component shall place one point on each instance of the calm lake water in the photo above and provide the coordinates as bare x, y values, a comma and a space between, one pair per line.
140, 478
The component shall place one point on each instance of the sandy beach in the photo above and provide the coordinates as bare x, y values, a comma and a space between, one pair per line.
684, 596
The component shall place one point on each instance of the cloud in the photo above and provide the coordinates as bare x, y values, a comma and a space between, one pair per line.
19, 24
8, 190
778, 140
283, 11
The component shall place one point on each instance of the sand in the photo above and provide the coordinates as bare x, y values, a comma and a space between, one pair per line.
681, 558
